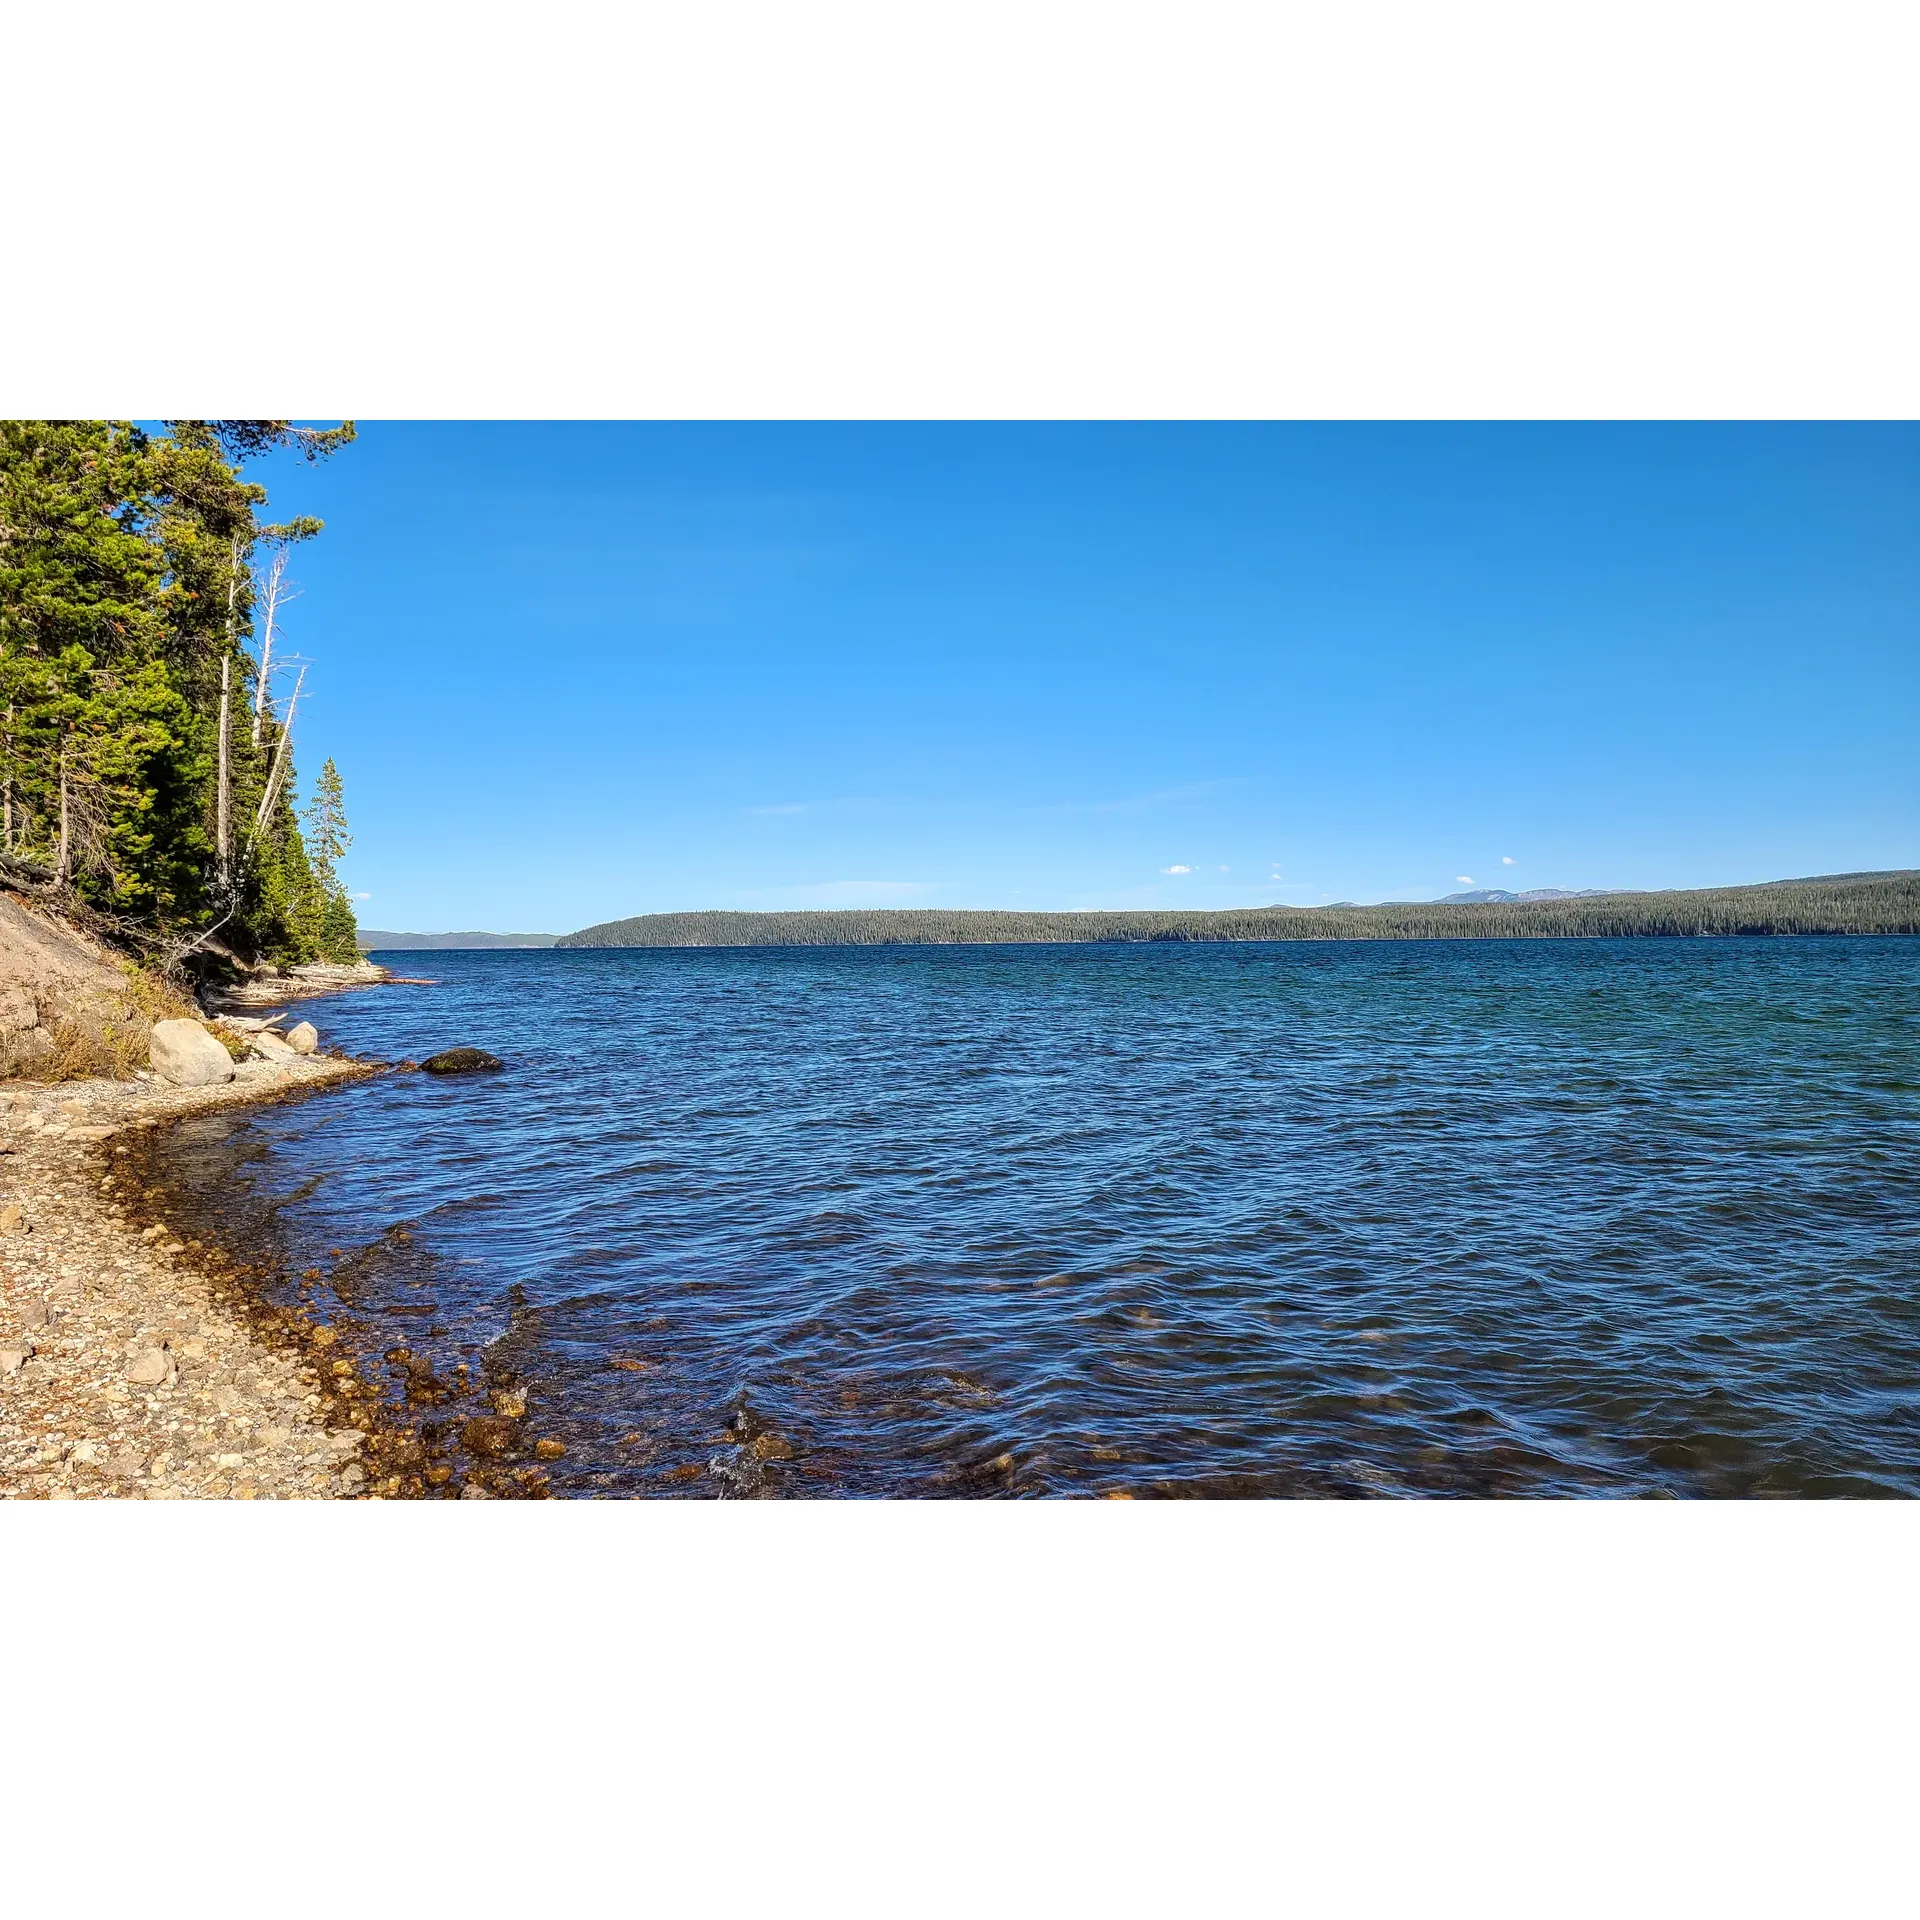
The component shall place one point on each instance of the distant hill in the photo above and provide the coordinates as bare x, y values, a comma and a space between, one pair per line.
372, 940
1829, 904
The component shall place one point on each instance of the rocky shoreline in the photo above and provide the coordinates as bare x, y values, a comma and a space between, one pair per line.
130, 1363
140, 1358
308, 982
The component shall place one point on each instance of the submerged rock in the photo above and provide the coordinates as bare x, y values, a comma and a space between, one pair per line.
184, 1052
489, 1437
461, 1060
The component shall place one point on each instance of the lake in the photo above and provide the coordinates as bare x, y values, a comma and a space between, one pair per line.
1546, 1217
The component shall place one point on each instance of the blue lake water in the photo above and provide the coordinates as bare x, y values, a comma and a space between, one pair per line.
1542, 1217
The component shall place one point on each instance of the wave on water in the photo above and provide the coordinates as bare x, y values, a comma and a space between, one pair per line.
1533, 1217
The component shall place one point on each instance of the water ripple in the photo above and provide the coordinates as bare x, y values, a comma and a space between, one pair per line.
1454, 1218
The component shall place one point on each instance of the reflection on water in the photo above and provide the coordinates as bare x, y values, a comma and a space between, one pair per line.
1537, 1217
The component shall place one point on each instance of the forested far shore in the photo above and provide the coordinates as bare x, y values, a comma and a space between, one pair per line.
149, 693
1830, 904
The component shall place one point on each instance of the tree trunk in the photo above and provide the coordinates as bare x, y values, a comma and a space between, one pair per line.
277, 772
62, 864
221, 842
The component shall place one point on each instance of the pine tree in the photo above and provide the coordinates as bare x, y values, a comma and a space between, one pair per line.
336, 934
126, 604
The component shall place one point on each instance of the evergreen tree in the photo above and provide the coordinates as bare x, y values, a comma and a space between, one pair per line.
132, 770
335, 932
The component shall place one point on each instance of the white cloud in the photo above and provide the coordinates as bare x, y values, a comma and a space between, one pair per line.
1465, 879
1507, 860
1176, 869
363, 896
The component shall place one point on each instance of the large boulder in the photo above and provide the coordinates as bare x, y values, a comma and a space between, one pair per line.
304, 1038
461, 1060
186, 1053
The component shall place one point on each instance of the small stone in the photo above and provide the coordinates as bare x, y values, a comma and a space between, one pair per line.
488, 1437
230, 1460
305, 1038
472, 1492
10, 1221
549, 1450
353, 1475
152, 1367
439, 1476
12, 1359
35, 1314
510, 1401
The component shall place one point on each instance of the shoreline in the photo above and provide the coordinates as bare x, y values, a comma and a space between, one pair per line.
147, 1352
310, 982
130, 1364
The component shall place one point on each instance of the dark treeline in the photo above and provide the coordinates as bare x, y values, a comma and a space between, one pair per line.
146, 720
1838, 903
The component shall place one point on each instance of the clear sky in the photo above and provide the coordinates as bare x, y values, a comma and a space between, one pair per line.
572, 672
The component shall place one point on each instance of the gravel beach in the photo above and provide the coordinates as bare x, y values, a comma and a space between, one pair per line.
128, 1369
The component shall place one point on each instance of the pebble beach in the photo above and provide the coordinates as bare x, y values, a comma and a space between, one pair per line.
130, 1367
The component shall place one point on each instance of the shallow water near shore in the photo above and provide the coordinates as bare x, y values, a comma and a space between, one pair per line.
1539, 1217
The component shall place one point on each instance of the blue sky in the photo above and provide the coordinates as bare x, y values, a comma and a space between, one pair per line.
571, 672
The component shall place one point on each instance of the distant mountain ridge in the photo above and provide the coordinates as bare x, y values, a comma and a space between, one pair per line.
1880, 903
371, 940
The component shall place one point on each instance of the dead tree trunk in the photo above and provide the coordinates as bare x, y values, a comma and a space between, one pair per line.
278, 771
63, 858
221, 830
275, 594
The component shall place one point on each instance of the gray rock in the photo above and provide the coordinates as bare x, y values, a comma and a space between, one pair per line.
269, 1046
184, 1052
304, 1038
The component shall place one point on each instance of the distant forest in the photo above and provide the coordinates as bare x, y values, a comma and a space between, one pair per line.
1833, 903
375, 940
